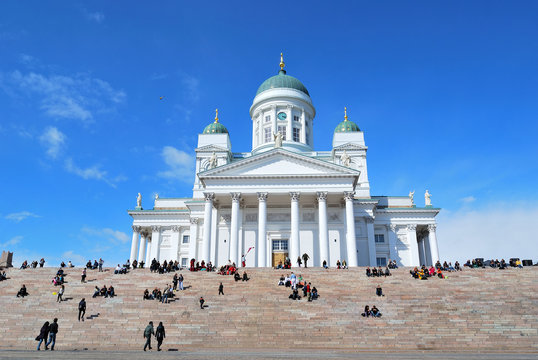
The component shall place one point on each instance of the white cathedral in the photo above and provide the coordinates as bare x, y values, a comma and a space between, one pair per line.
283, 198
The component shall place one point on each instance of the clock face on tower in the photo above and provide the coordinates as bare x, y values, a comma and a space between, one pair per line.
282, 116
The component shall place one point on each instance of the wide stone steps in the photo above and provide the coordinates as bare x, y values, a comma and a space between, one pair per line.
479, 309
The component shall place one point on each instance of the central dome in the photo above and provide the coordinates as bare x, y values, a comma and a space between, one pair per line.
282, 81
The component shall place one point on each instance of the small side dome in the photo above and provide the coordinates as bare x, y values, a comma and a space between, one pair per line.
215, 127
346, 125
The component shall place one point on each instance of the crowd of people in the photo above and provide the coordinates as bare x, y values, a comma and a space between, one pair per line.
104, 291
298, 282
377, 272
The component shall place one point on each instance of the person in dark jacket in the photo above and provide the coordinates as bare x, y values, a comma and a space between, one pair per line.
81, 309
53, 330
43, 334
221, 289
160, 335
147, 335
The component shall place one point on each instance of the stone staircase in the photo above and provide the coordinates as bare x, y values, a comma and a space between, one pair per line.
478, 309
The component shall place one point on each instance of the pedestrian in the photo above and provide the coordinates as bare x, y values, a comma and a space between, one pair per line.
60, 294
165, 294
221, 289
180, 279
299, 262
81, 309
147, 335
175, 281
53, 330
305, 259
202, 301
243, 261
101, 262
379, 291
41, 262
43, 334
160, 335
83, 276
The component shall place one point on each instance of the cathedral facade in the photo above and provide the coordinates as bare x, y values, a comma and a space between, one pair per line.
283, 198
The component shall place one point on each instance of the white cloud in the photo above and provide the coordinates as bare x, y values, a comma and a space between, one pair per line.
191, 87
76, 259
180, 164
77, 97
468, 199
97, 16
13, 241
108, 233
53, 139
20, 216
498, 231
92, 173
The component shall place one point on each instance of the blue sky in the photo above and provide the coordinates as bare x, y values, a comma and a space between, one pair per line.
446, 93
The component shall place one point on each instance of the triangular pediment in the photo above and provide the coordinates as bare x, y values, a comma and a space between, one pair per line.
211, 148
279, 163
350, 147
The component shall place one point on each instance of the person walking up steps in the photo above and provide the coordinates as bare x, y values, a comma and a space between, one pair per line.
148, 332
221, 289
81, 309
83, 276
53, 330
202, 301
60, 294
305, 259
160, 335
43, 334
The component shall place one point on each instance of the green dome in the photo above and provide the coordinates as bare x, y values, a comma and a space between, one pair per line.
347, 126
215, 128
282, 81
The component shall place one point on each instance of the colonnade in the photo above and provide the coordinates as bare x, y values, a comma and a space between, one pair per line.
423, 249
294, 244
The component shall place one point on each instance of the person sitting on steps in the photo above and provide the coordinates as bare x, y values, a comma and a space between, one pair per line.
375, 312
22, 292
245, 276
366, 312
379, 291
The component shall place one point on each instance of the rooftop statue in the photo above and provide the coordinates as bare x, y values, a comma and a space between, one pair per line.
412, 196
213, 161
278, 139
345, 159
139, 200
427, 198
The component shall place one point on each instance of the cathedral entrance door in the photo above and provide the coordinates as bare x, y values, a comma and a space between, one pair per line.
280, 251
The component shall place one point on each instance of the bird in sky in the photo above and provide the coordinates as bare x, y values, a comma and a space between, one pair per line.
161, 97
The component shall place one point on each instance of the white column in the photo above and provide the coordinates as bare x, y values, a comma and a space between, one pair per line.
155, 242
413, 245
351, 244
274, 119
421, 252
234, 228
134, 243
303, 127
148, 251
289, 133
209, 197
262, 229
193, 239
371, 241
142, 247
427, 251
294, 241
176, 242
240, 240
393, 251
323, 229
432, 237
